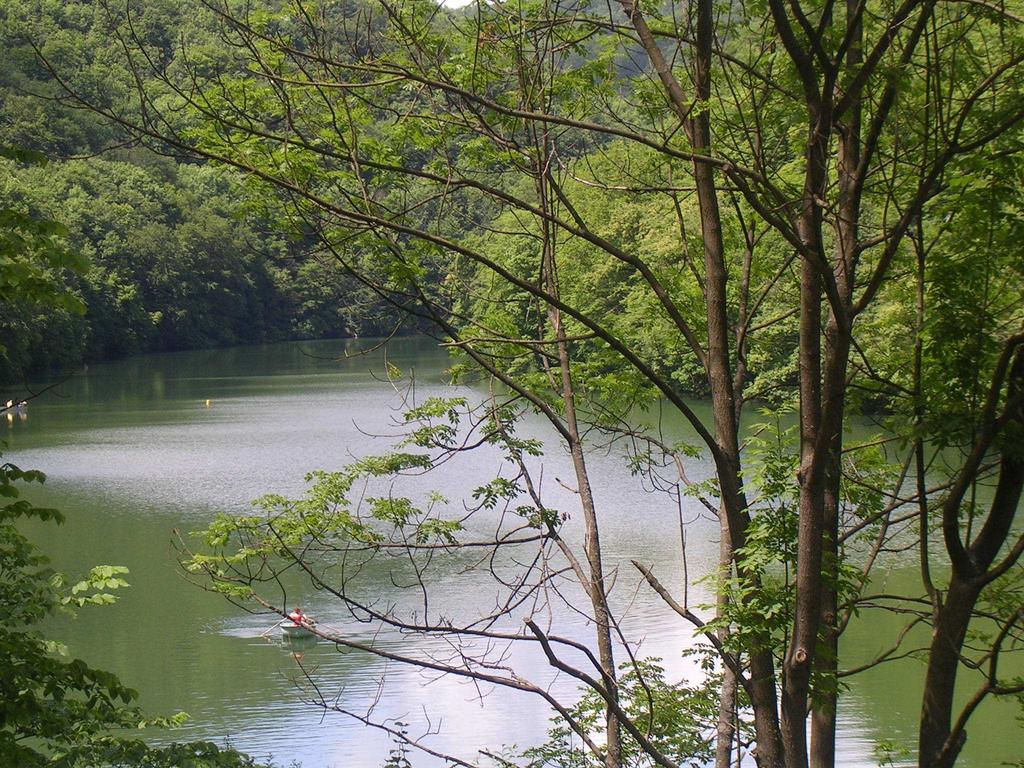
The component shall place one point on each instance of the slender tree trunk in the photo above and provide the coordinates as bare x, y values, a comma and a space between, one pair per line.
821, 752
820, 424
825, 704
595, 587
764, 699
598, 595
725, 729
800, 654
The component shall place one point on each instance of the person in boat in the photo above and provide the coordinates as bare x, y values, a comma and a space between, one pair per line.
298, 617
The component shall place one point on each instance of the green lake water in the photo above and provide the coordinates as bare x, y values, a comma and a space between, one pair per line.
135, 453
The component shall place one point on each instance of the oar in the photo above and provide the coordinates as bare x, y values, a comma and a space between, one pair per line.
272, 628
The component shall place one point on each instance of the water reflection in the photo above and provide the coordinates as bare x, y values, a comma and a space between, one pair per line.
15, 410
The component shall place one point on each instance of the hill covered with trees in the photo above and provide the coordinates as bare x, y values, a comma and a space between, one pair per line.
181, 255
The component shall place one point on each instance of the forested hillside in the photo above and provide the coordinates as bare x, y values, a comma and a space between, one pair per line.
180, 256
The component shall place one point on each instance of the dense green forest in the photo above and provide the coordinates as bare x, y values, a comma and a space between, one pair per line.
180, 255
604, 210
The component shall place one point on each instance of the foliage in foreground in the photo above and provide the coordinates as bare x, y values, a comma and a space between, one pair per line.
679, 718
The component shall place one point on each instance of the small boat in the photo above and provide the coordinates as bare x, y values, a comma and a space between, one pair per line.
291, 630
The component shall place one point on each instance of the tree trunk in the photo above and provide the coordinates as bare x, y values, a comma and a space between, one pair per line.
825, 703
938, 743
725, 729
764, 699
940, 681
595, 586
800, 654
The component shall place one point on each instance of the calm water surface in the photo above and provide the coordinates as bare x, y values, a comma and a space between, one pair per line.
134, 453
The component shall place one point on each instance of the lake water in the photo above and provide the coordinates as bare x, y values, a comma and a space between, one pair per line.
138, 449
